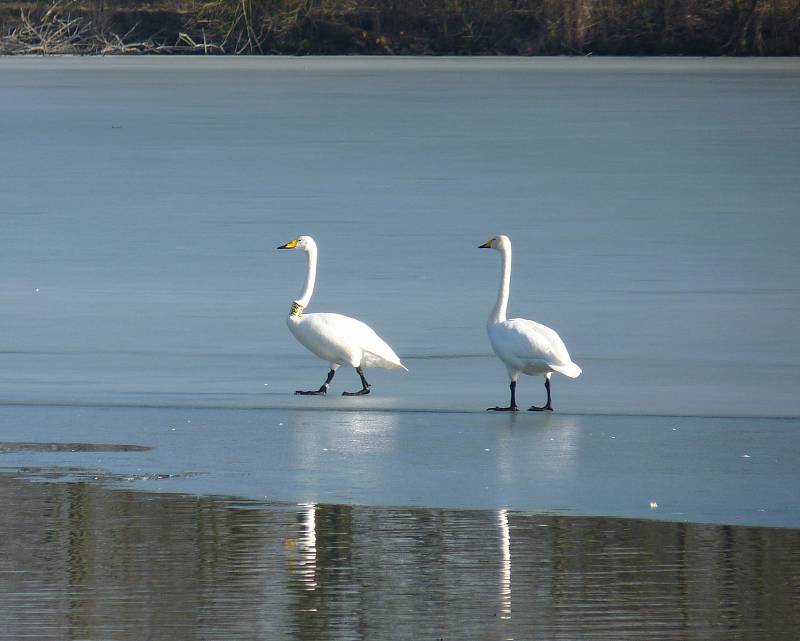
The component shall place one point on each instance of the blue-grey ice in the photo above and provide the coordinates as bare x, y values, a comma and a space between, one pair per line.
652, 204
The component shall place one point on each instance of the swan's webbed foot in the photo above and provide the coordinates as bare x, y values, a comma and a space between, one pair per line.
322, 390
547, 407
364, 385
314, 392
512, 406
361, 392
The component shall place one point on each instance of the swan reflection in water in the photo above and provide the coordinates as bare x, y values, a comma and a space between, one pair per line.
505, 564
302, 557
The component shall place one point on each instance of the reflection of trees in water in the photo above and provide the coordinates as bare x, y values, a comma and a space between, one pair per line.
78, 555
86, 562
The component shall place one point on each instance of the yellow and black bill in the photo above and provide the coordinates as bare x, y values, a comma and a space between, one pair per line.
290, 245
487, 244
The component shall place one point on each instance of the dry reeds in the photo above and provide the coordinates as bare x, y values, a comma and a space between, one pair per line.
53, 32
510, 27
60, 30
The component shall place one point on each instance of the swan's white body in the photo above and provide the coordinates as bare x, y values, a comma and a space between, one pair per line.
342, 340
335, 338
524, 346
527, 347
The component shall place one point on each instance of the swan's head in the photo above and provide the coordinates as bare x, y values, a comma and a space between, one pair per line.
301, 242
499, 242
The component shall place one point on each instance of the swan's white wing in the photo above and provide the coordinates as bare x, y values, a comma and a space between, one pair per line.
377, 352
343, 340
529, 346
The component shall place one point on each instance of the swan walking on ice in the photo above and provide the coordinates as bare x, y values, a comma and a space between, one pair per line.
338, 339
525, 347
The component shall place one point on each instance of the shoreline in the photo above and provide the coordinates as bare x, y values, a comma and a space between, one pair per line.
104, 481
101, 481
290, 27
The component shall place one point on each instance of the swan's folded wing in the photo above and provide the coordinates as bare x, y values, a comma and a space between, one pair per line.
527, 339
377, 352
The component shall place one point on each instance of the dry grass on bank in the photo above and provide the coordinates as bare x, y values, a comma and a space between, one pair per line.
510, 27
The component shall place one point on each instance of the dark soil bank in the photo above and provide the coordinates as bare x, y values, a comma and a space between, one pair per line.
442, 27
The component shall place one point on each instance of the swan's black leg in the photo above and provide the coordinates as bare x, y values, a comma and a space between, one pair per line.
364, 385
321, 390
513, 406
547, 407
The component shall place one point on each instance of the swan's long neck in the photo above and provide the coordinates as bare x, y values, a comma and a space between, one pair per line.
499, 311
311, 277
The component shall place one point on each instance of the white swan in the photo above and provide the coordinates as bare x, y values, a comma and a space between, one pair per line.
525, 347
338, 339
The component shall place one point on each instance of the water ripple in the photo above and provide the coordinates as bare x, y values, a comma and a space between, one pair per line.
80, 561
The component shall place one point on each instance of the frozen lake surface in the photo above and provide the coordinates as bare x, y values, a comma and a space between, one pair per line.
719, 470
653, 208
652, 205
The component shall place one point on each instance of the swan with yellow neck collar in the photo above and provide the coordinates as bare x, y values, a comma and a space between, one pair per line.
337, 339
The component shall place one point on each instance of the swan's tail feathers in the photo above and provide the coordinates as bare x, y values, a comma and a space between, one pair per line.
571, 370
396, 365
387, 360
